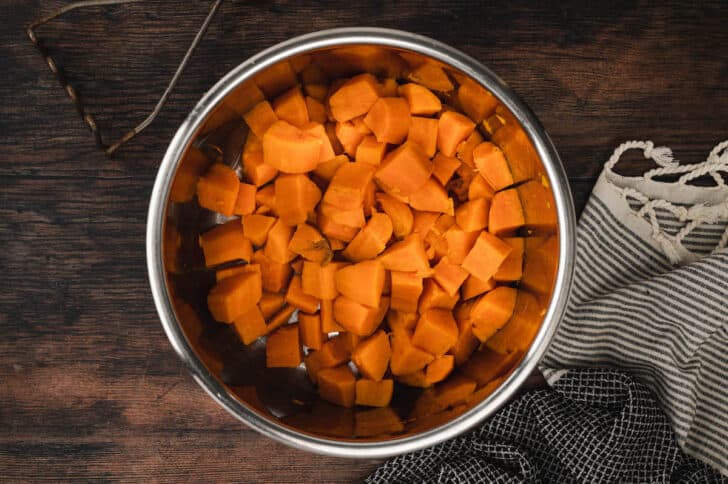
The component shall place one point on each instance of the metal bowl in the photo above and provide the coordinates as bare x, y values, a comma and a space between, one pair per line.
281, 403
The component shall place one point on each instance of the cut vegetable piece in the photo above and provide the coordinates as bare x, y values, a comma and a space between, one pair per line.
289, 149
354, 317
275, 275
371, 356
291, 107
443, 167
318, 130
519, 152
276, 247
512, 268
221, 274
452, 129
316, 110
234, 296
436, 331
250, 325
475, 287
349, 217
492, 165
362, 282
539, 210
404, 170
299, 299
333, 353
518, 333
327, 169
349, 136
389, 119
439, 368
225, 243
423, 222
420, 99
361, 126
337, 385
320, 281
450, 276
347, 187
354, 98
309, 326
417, 379
218, 189
308, 242
276, 79
399, 214
328, 323
506, 213
473, 215
466, 344
266, 197
245, 202
423, 131
371, 240
260, 118
465, 149
492, 310
475, 100
540, 260
283, 348
270, 303
244, 97
406, 291
402, 321
486, 256
432, 76
335, 231
459, 243
480, 188
434, 296
486, 365
373, 394
281, 318
406, 357
370, 151
407, 255
256, 228
256, 170
432, 197
296, 198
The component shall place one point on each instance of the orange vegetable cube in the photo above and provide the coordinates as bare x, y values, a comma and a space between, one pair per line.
347, 187
275, 275
475, 287
310, 333
539, 209
266, 197
389, 119
506, 213
250, 325
290, 149
432, 197
467, 343
423, 131
373, 393
371, 240
354, 98
218, 189
399, 214
402, 321
492, 310
280, 318
452, 129
327, 150
406, 291
270, 303
299, 299
256, 169
370, 151
492, 165
225, 243
327, 169
512, 268
404, 170
436, 331
480, 188
350, 217
420, 99
486, 256
256, 228
522, 158
260, 118
362, 282
320, 281
472, 215
221, 274
308, 242
371, 356
434, 296
244, 97
449, 276
459, 243
475, 100
355, 317
333, 230
276, 247
407, 255
439, 368
283, 349
234, 296
443, 167
328, 323
423, 222
432, 76
245, 203
316, 110
464, 151
291, 107
349, 137
337, 385
540, 260
296, 198
518, 333
406, 357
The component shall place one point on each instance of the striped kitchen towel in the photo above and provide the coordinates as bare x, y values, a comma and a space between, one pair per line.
638, 369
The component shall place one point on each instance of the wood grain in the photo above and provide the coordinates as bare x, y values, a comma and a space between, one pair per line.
89, 386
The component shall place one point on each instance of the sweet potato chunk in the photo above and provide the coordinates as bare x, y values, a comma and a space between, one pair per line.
290, 149
399, 214
299, 299
225, 243
371, 240
283, 348
423, 131
348, 186
337, 385
260, 118
310, 333
349, 282
296, 198
370, 151
218, 189
308, 242
373, 393
452, 129
506, 213
234, 296
389, 119
486, 256
250, 325
291, 107
406, 357
404, 170
420, 99
492, 310
406, 291
320, 281
354, 98
256, 228
407, 255
371, 356
436, 331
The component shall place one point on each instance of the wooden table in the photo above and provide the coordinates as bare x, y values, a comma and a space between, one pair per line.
89, 386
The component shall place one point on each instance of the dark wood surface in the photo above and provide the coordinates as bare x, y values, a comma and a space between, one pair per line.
89, 386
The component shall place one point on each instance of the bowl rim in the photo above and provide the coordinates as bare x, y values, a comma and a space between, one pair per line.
339, 37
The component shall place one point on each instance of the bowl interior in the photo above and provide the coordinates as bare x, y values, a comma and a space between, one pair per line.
286, 397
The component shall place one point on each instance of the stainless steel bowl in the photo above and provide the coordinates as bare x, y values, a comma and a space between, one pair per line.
281, 403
